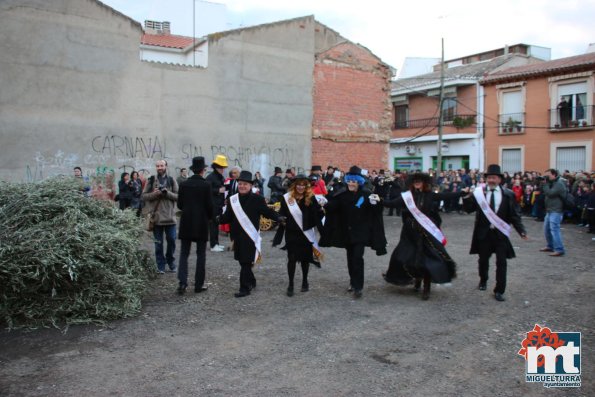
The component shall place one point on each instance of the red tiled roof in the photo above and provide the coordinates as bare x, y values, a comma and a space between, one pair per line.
557, 66
167, 40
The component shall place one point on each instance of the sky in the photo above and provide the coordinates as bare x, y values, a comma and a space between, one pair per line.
394, 29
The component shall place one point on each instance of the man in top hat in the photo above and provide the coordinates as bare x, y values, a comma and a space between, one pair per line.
496, 210
276, 186
318, 185
196, 203
217, 182
354, 221
243, 213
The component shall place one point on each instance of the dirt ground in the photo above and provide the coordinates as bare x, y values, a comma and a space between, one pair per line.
461, 342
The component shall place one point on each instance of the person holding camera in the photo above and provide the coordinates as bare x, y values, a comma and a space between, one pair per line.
125, 191
160, 196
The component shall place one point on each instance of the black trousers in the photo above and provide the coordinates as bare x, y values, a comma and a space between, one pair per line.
491, 245
247, 279
201, 258
213, 233
355, 265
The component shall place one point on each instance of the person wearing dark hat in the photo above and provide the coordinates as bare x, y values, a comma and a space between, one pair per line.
420, 254
243, 213
496, 210
303, 213
217, 181
318, 185
354, 221
287, 179
276, 186
329, 176
196, 203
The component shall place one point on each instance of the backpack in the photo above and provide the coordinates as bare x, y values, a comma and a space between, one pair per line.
568, 201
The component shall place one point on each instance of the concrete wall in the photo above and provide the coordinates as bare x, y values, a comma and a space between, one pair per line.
74, 92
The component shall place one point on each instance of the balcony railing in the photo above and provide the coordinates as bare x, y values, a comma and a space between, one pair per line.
458, 121
572, 117
511, 123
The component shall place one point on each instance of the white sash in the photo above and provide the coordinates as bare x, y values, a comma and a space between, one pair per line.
246, 224
423, 220
296, 213
494, 219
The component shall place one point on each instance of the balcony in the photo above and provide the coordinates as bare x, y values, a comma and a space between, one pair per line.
511, 123
458, 121
575, 118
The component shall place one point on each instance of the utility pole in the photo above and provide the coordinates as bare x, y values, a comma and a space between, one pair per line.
441, 116
193, 32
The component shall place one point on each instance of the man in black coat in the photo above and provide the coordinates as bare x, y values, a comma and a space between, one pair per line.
354, 221
216, 179
196, 204
487, 238
276, 186
244, 247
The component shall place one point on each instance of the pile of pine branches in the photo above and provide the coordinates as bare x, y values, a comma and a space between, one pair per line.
66, 258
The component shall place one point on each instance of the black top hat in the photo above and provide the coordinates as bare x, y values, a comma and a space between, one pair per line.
316, 168
355, 170
246, 176
299, 177
419, 176
198, 164
494, 169
278, 170
288, 171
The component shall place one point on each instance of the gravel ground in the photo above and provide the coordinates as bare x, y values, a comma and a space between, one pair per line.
461, 342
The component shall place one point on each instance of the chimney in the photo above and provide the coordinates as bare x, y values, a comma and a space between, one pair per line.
165, 27
506, 49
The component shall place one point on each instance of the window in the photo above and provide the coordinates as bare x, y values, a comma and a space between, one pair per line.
449, 108
512, 160
571, 158
573, 112
401, 116
511, 115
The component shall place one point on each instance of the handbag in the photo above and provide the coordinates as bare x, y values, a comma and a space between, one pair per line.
152, 217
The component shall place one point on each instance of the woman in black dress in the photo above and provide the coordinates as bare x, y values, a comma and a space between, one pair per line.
419, 255
299, 247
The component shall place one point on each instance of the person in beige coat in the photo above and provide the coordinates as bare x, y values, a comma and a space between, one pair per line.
160, 196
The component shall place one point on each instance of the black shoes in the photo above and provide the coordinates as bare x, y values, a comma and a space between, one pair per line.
499, 297
482, 286
181, 290
198, 290
357, 293
290, 290
241, 294
305, 287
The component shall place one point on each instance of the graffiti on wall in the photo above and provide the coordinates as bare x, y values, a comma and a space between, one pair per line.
126, 154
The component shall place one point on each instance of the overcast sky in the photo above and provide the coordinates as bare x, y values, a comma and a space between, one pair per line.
394, 30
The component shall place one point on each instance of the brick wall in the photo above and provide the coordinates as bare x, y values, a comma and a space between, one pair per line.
345, 154
352, 110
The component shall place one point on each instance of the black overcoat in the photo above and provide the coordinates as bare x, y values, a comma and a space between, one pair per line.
216, 181
254, 206
508, 211
418, 251
196, 202
351, 219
